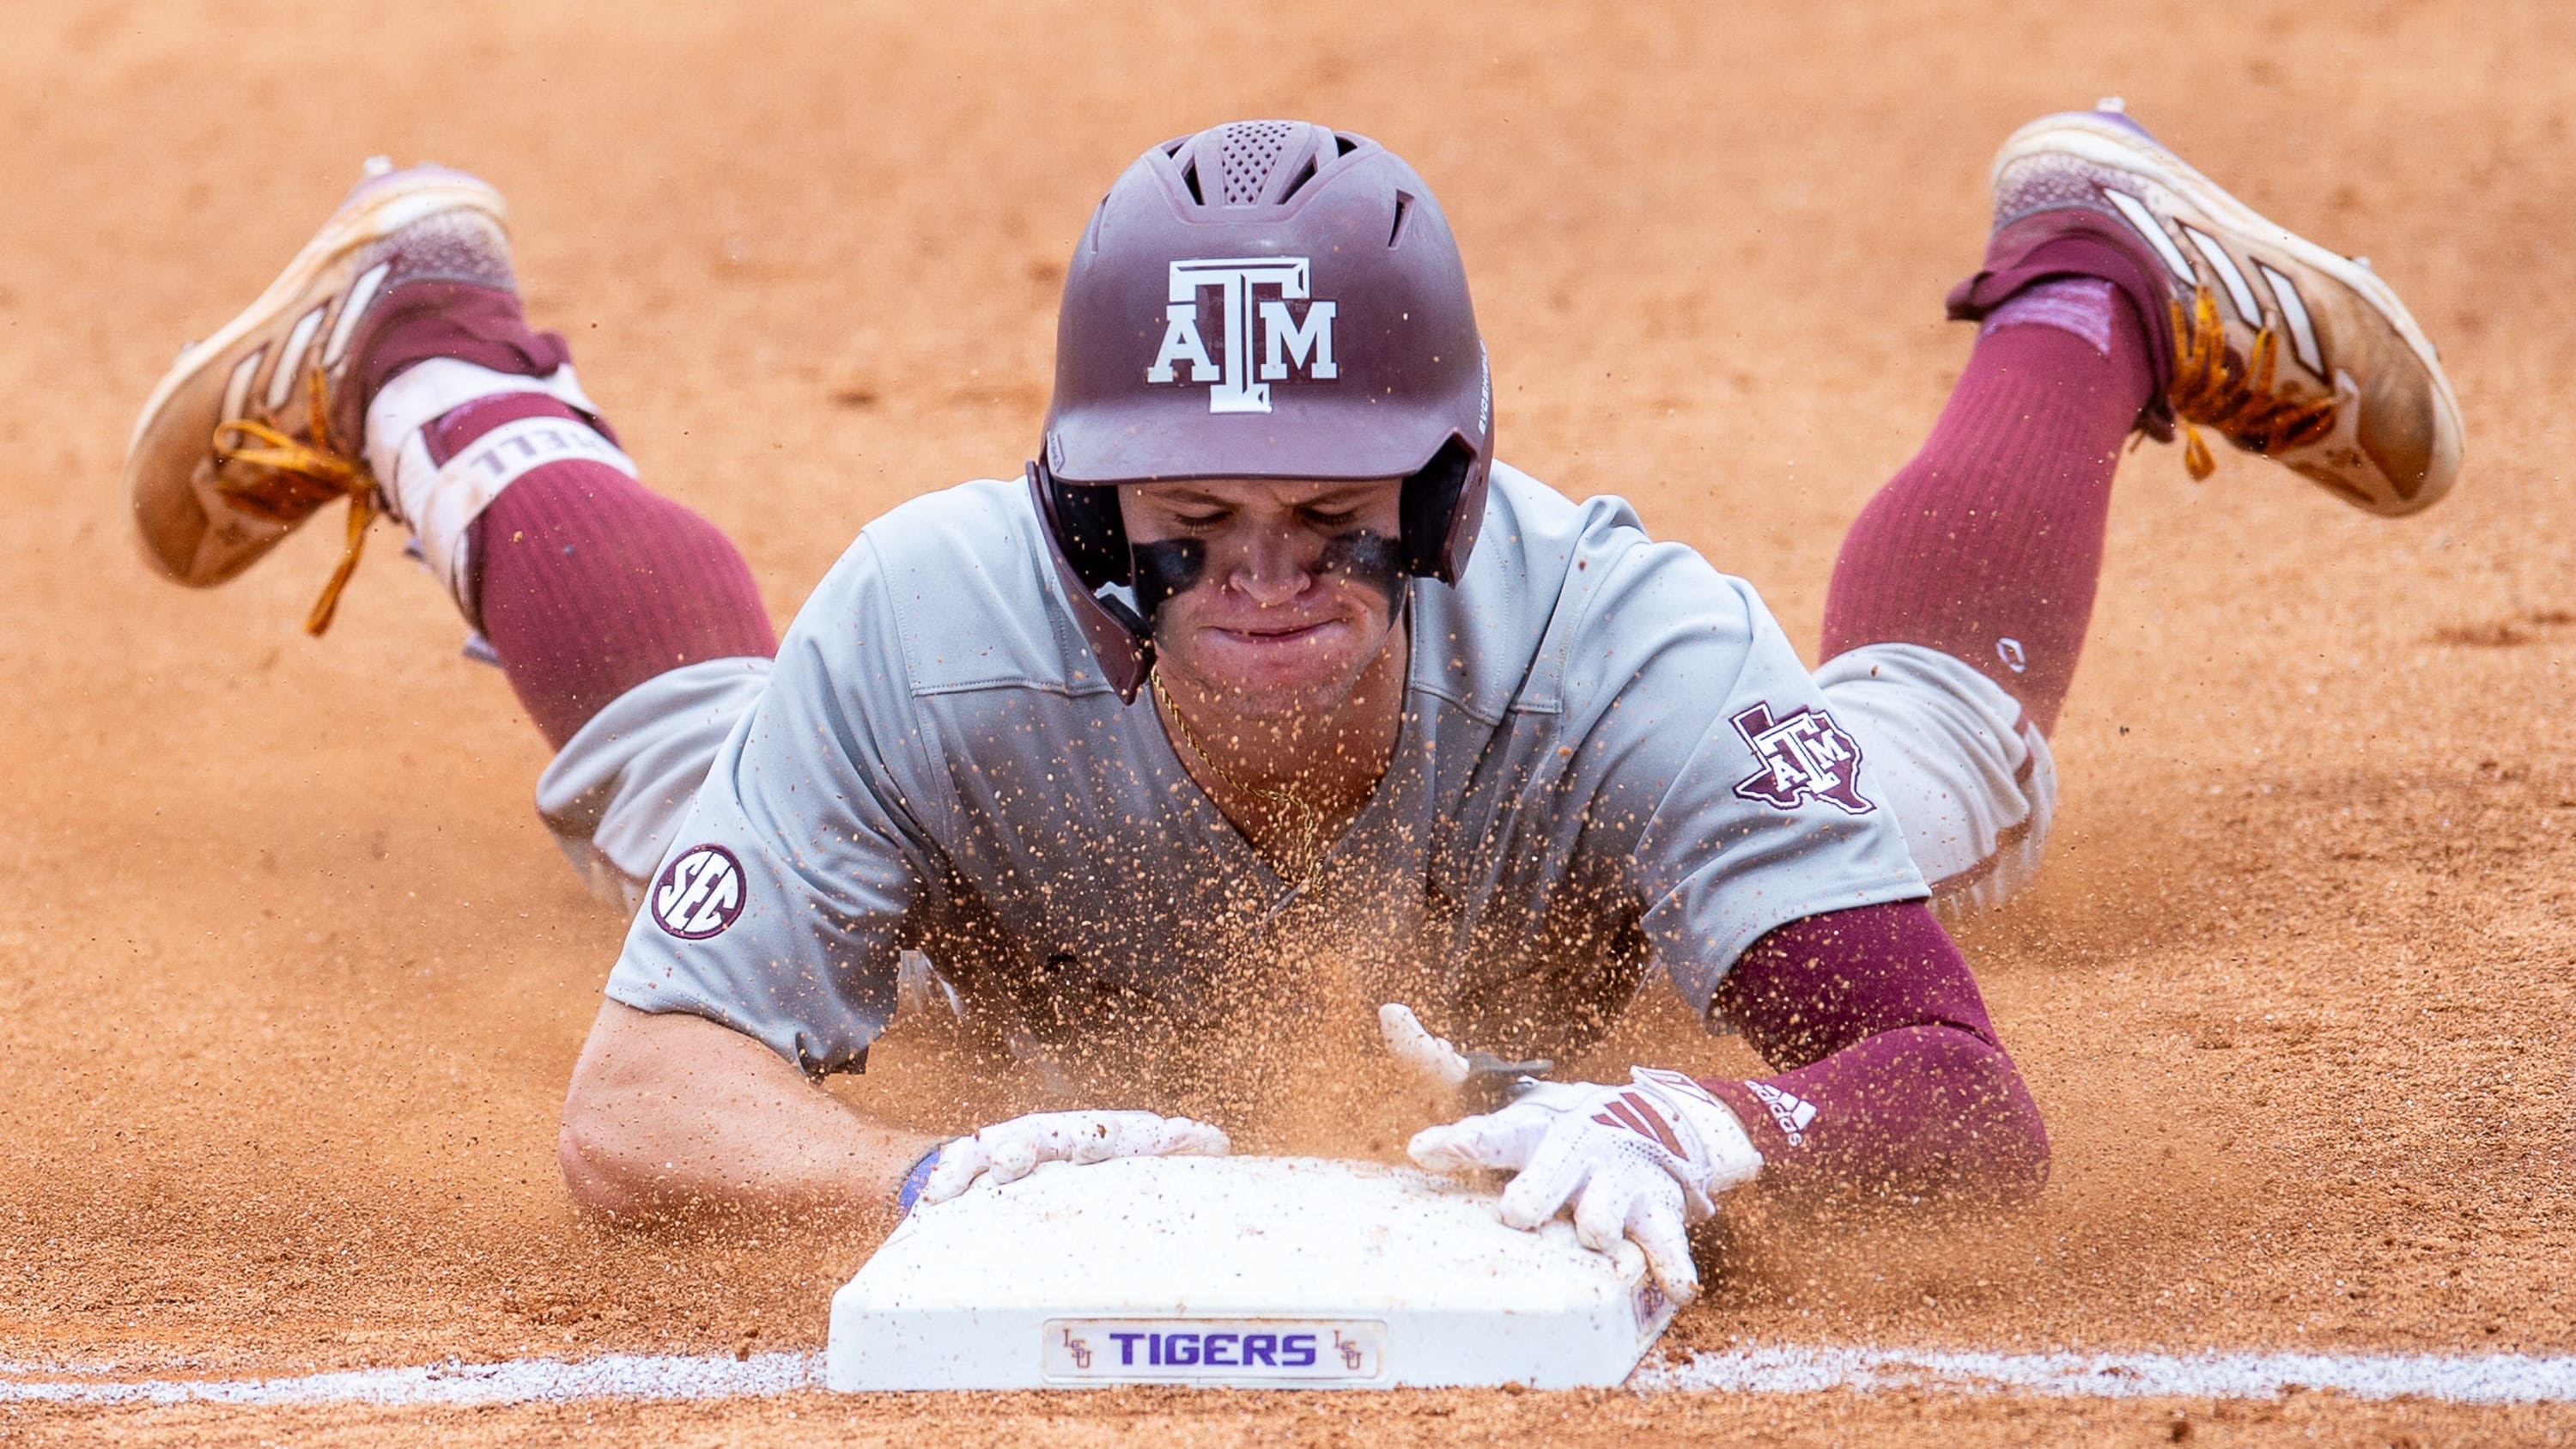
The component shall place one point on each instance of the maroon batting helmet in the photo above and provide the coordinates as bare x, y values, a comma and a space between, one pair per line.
1265, 299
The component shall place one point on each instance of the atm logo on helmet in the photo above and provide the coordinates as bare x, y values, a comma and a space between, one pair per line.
1252, 303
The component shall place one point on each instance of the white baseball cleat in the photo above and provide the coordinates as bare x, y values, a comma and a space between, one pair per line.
2280, 346
256, 428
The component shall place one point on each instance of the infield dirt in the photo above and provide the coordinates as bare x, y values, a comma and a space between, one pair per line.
291, 980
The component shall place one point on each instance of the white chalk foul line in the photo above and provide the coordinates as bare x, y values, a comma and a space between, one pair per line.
451, 1385
2482, 1378
2486, 1378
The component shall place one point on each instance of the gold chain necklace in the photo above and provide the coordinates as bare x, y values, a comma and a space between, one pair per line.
1310, 820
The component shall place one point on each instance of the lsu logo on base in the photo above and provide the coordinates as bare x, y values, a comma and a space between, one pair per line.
1805, 756
1652, 1308
1291, 339
1208, 1350
698, 894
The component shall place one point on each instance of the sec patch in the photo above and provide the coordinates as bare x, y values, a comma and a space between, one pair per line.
699, 893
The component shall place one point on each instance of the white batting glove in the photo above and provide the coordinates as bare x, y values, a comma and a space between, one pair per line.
1009, 1151
1640, 1162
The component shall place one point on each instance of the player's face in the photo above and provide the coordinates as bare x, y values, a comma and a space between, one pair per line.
1272, 596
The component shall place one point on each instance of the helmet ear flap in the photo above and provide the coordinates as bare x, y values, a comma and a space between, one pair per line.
1091, 531
1440, 510
1119, 640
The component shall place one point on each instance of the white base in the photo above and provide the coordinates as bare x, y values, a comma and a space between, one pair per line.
1287, 1272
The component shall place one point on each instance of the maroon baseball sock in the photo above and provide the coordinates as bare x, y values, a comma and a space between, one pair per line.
1988, 545
1893, 1082
436, 318
584, 583
591, 585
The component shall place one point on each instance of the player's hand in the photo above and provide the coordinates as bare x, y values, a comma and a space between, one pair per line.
1640, 1162
1009, 1151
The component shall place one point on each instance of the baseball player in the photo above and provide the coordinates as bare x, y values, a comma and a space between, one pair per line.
1266, 659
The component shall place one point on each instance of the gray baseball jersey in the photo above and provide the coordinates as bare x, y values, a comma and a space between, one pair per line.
1610, 759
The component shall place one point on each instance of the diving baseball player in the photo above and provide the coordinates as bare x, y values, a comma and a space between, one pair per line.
1265, 659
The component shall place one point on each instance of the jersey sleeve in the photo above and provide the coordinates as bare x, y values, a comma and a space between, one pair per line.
1743, 805
791, 881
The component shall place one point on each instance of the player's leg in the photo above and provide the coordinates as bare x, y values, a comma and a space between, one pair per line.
1959, 603
631, 631
2122, 290
392, 365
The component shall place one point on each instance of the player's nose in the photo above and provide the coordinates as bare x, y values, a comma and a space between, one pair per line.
1273, 568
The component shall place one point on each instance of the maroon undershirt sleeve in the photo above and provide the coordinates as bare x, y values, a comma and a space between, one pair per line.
1891, 1081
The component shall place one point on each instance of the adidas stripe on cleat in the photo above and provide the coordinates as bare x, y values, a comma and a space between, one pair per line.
2280, 346
257, 428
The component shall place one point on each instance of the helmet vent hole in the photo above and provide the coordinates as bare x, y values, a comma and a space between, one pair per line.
1403, 214
1298, 182
1190, 179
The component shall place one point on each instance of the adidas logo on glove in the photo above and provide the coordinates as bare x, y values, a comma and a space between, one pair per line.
1793, 1113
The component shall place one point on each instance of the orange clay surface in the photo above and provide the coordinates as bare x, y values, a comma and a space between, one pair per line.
291, 980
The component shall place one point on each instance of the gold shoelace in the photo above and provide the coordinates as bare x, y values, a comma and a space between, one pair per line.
1310, 820
296, 478
2240, 405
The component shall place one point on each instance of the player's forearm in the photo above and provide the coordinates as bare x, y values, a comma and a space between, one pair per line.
1917, 1112
671, 1112
1894, 1081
